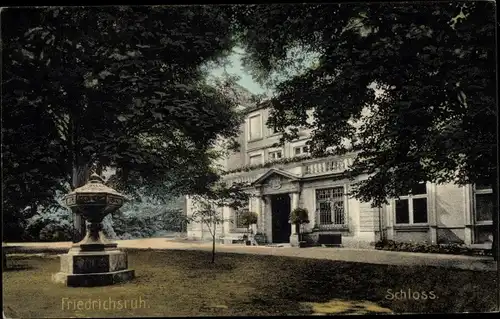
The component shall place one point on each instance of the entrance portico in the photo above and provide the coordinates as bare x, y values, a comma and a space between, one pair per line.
278, 194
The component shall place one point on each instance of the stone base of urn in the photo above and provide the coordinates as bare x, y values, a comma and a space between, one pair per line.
94, 261
294, 240
83, 268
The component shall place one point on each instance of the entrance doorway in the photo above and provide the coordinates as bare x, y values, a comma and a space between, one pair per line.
280, 207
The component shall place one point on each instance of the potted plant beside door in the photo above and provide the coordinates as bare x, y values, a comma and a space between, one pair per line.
300, 216
248, 219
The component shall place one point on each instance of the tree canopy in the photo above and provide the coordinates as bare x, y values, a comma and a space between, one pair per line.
106, 86
411, 86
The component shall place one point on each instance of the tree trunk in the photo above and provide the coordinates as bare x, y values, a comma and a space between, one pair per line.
213, 245
381, 224
79, 178
495, 229
34, 209
4, 259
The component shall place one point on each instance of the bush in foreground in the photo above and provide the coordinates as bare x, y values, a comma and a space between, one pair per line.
452, 248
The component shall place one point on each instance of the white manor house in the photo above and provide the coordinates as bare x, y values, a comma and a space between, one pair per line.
432, 213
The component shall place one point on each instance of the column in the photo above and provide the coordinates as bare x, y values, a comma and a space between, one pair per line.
294, 204
295, 200
389, 211
294, 238
226, 225
258, 211
433, 215
250, 209
468, 234
268, 219
309, 198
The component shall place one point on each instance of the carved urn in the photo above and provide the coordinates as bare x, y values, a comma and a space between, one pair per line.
94, 201
94, 261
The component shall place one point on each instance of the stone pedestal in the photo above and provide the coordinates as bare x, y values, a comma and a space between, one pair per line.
93, 268
294, 240
94, 261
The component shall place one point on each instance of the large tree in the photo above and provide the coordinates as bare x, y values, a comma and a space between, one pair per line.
433, 117
106, 86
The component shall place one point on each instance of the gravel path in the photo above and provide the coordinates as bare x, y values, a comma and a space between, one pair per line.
342, 254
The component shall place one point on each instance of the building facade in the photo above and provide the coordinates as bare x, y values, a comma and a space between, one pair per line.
283, 178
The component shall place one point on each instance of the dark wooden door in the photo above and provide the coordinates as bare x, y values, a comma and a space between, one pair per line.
280, 205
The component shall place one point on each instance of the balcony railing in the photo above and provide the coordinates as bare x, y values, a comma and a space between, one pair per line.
327, 166
308, 168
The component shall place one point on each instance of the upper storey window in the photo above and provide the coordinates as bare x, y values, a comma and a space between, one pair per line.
255, 127
275, 155
256, 159
300, 150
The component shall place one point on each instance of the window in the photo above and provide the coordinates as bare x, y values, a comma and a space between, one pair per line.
254, 127
330, 207
412, 208
238, 218
275, 155
483, 199
255, 159
300, 150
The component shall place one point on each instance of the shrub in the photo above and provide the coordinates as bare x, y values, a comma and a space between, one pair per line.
249, 218
299, 216
134, 220
54, 232
148, 219
126, 236
107, 225
15, 222
452, 248
50, 225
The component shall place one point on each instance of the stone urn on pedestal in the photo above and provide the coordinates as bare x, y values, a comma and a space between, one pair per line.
95, 261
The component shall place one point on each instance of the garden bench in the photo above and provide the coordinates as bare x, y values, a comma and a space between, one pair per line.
232, 238
332, 240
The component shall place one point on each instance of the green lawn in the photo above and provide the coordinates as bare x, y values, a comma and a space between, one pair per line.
184, 283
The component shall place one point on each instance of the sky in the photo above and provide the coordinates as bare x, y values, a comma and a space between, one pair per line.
301, 61
236, 68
